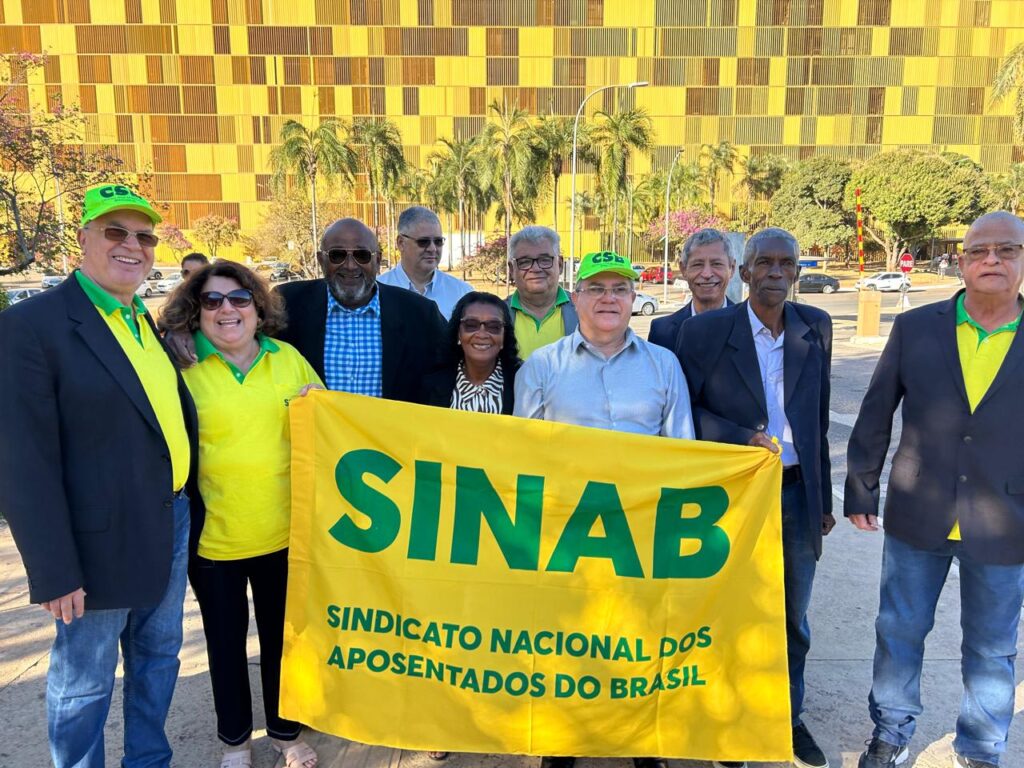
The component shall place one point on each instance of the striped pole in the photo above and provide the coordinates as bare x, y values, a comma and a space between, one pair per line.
860, 234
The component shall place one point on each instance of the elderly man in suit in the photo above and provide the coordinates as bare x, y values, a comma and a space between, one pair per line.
541, 311
360, 335
956, 491
759, 375
707, 265
98, 443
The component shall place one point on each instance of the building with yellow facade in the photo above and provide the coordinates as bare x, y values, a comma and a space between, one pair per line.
199, 89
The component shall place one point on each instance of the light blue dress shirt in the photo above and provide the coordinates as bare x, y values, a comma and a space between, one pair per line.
443, 289
353, 349
771, 361
639, 389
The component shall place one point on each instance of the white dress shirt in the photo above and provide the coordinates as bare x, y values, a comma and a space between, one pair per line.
443, 289
771, 362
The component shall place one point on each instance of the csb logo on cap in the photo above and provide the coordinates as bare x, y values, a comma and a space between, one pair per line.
117, 190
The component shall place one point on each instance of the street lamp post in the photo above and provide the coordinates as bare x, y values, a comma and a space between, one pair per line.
668, 190
572, 209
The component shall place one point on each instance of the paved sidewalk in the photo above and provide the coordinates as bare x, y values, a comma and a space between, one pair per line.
838, 677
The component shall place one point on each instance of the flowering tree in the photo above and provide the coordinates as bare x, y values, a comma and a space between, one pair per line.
490, 259
174, 239
215, 231
682, 224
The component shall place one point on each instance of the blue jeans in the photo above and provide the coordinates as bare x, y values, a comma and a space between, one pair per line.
83, 660
799, 563
990, 601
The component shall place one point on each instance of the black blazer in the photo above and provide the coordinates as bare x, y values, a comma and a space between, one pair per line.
85, 475
717, 353
951, 464
440, 383
412, 333
665, 330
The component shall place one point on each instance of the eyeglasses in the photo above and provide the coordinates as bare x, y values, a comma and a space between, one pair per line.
120, 234
1003, 251
525, 264
238, 298
424, 242
340, 255
600, 291
472, 325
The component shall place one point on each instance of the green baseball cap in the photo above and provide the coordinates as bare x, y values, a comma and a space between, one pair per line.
115, 197
605, 261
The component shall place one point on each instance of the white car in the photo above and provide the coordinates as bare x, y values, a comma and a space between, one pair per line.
168, 284
644, 304
49, 281
145, 290
885, 281
20, 294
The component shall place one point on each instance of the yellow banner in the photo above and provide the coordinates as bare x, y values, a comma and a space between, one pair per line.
474, 583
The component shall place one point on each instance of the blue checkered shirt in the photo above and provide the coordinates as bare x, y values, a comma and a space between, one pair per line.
353, 348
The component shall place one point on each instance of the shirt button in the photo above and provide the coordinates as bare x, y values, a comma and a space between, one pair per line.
167, 505
760, 427
967, 438
963, 478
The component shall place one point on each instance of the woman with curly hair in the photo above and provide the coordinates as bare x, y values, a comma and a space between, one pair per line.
480, 358
241, 386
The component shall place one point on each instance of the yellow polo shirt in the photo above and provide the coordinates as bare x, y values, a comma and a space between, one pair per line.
245, 446
981, 355
155, 370
531, 333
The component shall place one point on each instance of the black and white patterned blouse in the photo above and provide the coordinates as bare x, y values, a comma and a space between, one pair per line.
482, 398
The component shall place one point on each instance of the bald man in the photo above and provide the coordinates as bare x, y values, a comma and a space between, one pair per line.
956, 491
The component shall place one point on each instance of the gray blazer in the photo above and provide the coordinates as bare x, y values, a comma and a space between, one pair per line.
951, 464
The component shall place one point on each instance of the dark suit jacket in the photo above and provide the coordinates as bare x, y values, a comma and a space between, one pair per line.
439, 384
85, 472
412, 333
951, 464
665, 330
717, 353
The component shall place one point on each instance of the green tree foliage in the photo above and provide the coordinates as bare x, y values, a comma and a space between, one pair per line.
508, 142
310, 157
810, 203
1009, 189
908, 195
763, 175
378, 144
1009, 79
716, 160
617, 137
215, 232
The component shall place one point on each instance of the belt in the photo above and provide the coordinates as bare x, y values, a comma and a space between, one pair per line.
791, 475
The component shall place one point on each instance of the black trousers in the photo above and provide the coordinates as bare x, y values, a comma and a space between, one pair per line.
220, 588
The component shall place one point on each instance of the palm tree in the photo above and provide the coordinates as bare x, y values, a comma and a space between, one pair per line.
459, 164
439, 193
552, 147
311, 156
1009, 78
1010, 188
762, 175
507, 140
379, 144
717, 159
618, 136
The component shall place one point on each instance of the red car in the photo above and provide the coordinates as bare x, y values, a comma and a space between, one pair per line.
657, 275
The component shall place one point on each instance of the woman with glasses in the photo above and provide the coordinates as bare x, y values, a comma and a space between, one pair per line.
241, 385
479, 360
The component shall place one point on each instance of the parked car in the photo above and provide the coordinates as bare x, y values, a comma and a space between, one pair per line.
145, 289
20, 294
155, 274
816, 282
644, 304
885, 281
168, 284
657, 275
49, 281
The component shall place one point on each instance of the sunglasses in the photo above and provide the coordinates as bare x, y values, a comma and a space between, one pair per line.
471, 325
340, 255
120, 234
424, 242
211, 300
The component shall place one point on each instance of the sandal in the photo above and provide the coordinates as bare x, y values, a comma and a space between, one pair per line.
297, 755
439, 756
241, 758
